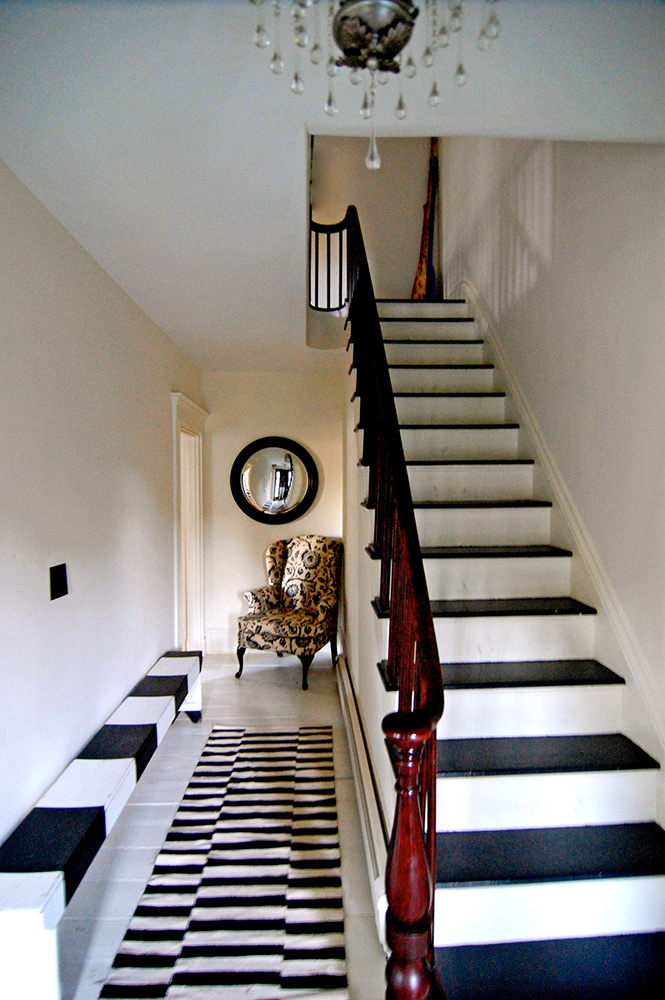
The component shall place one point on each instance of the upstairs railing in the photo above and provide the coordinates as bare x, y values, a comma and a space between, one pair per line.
413, 660
328, 256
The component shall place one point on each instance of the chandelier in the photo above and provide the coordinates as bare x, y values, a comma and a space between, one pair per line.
373, 40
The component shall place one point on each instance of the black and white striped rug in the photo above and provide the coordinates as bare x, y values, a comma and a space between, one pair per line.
245, 899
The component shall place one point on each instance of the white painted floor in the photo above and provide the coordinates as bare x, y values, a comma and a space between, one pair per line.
268, 695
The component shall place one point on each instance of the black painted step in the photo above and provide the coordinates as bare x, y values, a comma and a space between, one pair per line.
477, 504
625, 967
520, 673
458, 427
553, 854
493, 551
527, 673
502, 755
493, 607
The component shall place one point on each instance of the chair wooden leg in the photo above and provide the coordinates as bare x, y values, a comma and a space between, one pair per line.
306, 664
240, 652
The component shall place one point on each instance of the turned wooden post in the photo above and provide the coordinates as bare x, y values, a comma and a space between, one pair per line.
409, 972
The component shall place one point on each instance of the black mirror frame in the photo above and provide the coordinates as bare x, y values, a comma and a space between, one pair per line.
310, 468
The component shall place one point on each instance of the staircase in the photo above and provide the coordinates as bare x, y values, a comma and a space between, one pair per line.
550, 877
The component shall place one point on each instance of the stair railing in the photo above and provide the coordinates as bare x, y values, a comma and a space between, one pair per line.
413, 660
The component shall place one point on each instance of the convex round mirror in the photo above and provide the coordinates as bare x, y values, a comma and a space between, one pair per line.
274, 480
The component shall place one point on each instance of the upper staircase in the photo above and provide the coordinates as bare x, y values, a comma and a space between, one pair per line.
550, 867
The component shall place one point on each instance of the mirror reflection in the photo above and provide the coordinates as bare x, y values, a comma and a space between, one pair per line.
274, 480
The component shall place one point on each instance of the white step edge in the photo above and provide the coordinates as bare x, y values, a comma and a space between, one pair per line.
566, 710
530, 912
511, 638
537, 801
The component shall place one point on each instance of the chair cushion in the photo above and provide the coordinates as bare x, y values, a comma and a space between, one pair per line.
297, 632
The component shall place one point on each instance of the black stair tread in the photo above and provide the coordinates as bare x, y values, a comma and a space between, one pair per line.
436, 365
617, 967
431, 340
502, 755
527, 673
492, 551
499, 857
493, 607
477, 504
477, 394
442, 426
469, 461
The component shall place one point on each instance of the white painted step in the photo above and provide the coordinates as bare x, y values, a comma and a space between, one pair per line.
483, 525
557, 710
497, 576
477, 481
451, 379
448, 329
528, 637
430, 310
451, 408
529, 912
538, 801
435, 353
460, 441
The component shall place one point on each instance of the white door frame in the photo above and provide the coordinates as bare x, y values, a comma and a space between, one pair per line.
189, 619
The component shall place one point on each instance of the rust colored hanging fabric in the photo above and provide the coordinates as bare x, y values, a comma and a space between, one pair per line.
424, 285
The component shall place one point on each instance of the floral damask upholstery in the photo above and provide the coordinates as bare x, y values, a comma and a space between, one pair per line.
297, 612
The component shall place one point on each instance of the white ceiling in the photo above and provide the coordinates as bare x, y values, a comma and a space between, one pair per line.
155, 133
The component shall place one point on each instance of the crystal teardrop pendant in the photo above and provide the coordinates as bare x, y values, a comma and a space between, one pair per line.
366, 107
373, 160
331, 106
493, 27
460, 75
315, 54
428, 57
297, 84
277, 64
483, 42
261, 39
443, 38
410, 68
331, 67
356, 76
434, 97
400, 108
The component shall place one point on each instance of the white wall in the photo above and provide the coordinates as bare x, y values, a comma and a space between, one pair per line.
244, 406
86, 480
565, 243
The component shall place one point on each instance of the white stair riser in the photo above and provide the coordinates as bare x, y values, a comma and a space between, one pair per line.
536, 576
576, 908
452, 409
474, 713
441, 379
435, 353
483, 525
536, 637
423, 310
535, 801
471, 482
437, 442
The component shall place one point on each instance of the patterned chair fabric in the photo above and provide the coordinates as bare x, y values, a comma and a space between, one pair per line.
297, 612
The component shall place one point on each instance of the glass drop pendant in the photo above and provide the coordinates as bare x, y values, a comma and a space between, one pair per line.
356, 76
316, 54
331, 107
428, 57
400, 109
277, 64
434, 97
261, 39
410, 68
366, 107
297, 84
460, 76
373, 160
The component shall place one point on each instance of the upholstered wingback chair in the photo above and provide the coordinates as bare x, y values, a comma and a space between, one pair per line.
297, 612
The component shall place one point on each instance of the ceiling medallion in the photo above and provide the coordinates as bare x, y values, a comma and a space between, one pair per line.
373, 40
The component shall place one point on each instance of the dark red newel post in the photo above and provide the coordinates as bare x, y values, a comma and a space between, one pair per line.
408, 879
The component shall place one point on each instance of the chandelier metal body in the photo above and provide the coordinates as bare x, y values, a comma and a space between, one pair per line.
372, 34
374, 38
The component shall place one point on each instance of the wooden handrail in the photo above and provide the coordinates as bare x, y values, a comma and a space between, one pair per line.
413, 659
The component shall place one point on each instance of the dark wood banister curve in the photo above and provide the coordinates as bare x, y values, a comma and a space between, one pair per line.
413, 659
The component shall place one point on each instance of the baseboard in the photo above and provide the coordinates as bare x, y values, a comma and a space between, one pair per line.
375, 835
626, 639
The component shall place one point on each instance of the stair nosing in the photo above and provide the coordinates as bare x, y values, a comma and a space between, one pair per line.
494, 552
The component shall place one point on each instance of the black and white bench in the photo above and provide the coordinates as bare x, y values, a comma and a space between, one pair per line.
43, 861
